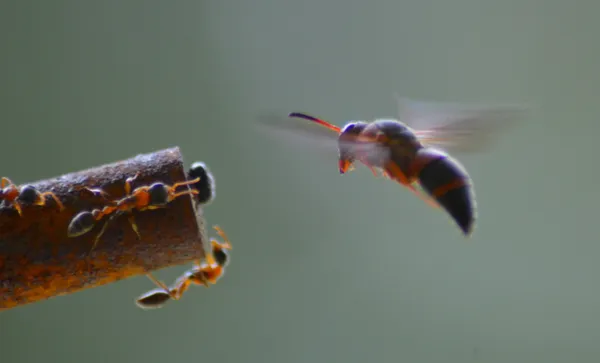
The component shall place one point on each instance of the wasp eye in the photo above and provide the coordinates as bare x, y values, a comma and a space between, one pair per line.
349, 127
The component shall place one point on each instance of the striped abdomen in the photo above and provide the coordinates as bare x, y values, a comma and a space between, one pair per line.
445, 180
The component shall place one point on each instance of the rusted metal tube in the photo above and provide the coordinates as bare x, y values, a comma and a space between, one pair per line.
39, 261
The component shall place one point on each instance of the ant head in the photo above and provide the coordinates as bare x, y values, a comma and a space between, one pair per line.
206, 185
347, 144
159, 194
220, 255
81, 224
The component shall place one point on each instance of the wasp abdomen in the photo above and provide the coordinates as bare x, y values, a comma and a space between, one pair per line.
445, 179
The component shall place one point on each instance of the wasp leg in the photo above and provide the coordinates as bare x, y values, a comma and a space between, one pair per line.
396, 174
373, 170
429, 200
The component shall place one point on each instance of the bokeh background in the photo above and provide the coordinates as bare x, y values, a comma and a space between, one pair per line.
325, 268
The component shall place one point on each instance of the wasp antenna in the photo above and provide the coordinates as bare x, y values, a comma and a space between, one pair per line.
317, 120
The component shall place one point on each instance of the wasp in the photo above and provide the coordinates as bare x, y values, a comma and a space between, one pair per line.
26, 194
413, 150
154, 196
203, 274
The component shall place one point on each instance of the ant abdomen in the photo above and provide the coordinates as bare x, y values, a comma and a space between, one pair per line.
153, 299
81, 224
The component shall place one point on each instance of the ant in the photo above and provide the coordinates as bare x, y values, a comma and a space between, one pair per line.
204, 274
27, 194
155, 196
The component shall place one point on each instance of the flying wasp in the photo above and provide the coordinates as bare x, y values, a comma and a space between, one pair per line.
146, 197
204, 274
413, 149
27, 194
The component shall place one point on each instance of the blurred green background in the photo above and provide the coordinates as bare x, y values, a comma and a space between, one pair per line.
325, 268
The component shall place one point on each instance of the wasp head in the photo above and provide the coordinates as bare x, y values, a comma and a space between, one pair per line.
347, 143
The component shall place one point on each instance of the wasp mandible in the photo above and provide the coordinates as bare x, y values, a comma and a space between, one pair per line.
413, 149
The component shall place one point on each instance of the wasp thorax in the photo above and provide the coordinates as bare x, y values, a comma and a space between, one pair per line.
159, 194
28, 194
81, 224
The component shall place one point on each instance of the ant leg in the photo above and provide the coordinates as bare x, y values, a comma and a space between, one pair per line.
97, 192
157, 282
187, 182
5, 182
129, 181
210, 259
226, 243
187, 192
56, 200
100, 234
134, 225
157, 297
17, 206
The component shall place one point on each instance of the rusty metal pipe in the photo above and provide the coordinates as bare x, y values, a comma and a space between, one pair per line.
39, 261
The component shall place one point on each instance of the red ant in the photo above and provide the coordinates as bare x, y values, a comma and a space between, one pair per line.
201, 274
155, 196
27, 194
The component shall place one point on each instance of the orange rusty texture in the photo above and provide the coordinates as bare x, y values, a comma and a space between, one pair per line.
39, 261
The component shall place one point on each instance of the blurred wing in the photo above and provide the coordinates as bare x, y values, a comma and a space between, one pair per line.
458, 127
309, 135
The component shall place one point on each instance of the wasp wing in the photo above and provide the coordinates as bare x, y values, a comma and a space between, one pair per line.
311, 135
458, 127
